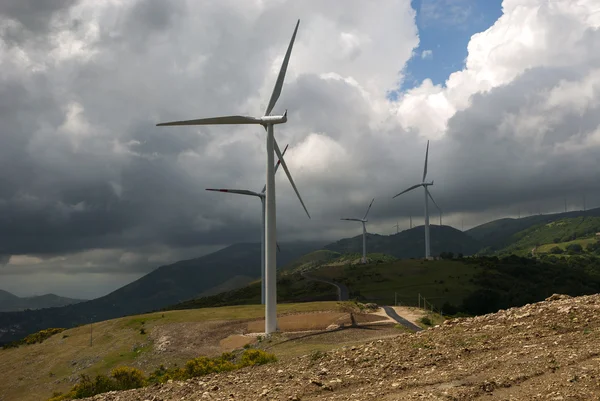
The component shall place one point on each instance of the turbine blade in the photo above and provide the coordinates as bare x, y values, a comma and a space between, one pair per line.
277, 165
215, 121
278, 248
406, 190
369, 208
426, 156
281, 76
287, 172
235, 191
431, 197
352, 219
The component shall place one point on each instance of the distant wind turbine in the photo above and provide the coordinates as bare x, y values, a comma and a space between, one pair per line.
267, 121
261, 196
363, 221
427, 196
397, 225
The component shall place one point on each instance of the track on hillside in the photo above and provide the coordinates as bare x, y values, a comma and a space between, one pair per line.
342, 289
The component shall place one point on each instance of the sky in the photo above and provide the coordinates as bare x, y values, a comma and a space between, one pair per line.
93, 195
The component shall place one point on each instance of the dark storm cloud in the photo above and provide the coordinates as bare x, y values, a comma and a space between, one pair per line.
83, 166
35, 17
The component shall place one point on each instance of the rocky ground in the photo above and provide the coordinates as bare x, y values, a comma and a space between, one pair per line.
545, 351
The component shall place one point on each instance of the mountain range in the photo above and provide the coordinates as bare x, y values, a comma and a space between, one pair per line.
10, 302
239, 264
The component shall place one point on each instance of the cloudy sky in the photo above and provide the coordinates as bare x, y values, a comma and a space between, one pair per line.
93, 195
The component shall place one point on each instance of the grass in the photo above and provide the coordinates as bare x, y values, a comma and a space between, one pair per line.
563, 245
563, 232
51, 364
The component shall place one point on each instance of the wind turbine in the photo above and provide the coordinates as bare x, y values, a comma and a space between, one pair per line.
267, 121
261, 196
427, 196
363, 221
397, 225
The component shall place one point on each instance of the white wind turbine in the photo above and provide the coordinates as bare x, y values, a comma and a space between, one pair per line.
267, 121
427, 197
261, 196
363, 221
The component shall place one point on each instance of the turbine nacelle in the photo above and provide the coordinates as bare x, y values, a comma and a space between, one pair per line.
426, 184
272, 120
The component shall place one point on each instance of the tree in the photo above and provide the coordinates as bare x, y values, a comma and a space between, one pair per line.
556, 250
574, 249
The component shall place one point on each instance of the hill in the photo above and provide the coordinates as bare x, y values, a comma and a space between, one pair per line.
474, 285
498, 234
543, 351
10, 302
164, 286
411, 243
34, 372
558, 233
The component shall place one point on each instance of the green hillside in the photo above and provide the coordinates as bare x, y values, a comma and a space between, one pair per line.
560, 233
473, 285
498, 234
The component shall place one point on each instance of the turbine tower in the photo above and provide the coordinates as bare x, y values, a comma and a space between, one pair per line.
397, 225
427, 196
261, 196
363, 221
268, 121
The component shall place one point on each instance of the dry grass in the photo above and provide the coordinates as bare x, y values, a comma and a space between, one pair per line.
54, 365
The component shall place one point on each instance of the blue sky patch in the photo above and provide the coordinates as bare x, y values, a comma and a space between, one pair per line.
445, 28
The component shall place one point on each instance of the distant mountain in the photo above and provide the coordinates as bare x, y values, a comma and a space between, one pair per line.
498, 234
227, 269
411, 243
10, 302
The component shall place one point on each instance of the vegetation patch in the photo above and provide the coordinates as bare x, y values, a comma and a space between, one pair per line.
34, 338
126, 378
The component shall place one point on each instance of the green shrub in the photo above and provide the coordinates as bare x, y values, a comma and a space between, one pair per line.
35, 338
127, 378
253, 357
426, 321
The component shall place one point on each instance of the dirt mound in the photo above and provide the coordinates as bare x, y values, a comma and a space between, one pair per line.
544, 351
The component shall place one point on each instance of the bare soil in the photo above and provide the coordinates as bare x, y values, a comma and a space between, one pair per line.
545, 351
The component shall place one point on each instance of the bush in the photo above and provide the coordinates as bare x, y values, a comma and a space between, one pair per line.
35, 338
256, 357
127, 378
556, 250
426, 321
574, 249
